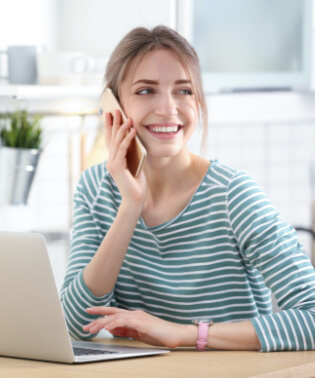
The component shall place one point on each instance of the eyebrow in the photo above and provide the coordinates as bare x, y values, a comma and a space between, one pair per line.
155, 82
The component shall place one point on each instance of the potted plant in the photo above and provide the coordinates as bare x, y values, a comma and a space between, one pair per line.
20, 148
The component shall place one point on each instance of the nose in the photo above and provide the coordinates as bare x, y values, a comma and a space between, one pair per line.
166, 105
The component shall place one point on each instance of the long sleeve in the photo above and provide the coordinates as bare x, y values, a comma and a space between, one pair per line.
271, 247
86, 238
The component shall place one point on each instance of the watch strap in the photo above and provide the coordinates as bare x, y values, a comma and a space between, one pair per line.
203, 329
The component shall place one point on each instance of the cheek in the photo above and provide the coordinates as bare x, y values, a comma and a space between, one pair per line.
136, 119
132, 113
136, 123
192, 114
137, 112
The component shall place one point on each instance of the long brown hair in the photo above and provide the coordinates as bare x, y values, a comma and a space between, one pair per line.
139, 41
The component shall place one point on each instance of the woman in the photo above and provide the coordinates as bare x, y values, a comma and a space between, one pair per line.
188, 239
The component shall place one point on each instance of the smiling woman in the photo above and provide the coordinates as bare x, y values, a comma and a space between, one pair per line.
186, 253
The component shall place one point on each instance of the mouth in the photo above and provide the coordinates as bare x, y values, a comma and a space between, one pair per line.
165, 128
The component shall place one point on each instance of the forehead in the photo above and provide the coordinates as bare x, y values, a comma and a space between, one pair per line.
158, 64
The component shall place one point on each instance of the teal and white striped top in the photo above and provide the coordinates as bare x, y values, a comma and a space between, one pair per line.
217, 259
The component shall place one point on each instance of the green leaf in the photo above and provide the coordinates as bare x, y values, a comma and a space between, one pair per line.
21, 131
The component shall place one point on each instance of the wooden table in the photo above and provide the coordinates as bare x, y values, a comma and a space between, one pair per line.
180, 363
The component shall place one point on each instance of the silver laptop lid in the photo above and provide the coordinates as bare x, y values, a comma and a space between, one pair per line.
31, 319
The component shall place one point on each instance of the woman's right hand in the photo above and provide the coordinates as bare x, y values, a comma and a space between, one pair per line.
118, 138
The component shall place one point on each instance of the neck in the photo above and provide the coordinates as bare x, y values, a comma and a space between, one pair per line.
166, 175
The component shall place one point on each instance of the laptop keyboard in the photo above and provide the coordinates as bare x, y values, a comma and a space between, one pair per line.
90, 352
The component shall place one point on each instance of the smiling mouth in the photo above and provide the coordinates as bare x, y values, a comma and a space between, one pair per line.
164, 129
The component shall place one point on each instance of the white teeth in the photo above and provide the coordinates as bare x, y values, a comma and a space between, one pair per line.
164, 129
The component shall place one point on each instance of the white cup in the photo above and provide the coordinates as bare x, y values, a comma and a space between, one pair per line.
63, 68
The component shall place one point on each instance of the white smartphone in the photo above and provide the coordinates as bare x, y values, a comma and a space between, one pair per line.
136, 153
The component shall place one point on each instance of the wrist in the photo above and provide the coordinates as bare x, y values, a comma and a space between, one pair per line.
188, 336
131, 209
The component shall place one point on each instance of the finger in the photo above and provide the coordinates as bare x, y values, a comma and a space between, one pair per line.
117, 121
99, 324
124, 332
123, 131
108, 124
119, 137
128, 319
108, 322
124, 145
95, 326
102, 310
112, 124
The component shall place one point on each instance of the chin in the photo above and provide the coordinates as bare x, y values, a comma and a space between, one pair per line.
164, 152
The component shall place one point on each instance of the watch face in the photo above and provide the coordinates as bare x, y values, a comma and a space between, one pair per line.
198, 321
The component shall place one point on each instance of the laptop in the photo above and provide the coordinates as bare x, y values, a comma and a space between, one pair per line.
32, 323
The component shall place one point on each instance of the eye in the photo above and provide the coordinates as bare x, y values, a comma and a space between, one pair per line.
186, 91
145, 91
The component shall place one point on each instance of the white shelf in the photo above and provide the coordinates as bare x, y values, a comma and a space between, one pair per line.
42, 92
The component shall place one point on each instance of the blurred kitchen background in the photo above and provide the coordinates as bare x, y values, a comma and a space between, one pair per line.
259, 69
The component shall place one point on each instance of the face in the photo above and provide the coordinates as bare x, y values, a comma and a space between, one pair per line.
161, 102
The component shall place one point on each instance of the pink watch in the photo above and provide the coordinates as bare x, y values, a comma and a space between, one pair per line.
203, 327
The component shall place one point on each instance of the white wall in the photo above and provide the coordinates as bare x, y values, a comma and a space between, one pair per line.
96, 26
91, 26
30, 22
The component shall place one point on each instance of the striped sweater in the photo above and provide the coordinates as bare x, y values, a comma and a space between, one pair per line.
220, 258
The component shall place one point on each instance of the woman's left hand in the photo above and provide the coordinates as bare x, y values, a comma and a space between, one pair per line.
142, 326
